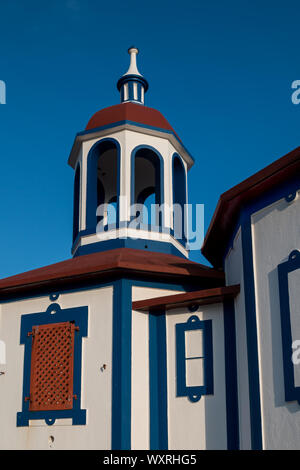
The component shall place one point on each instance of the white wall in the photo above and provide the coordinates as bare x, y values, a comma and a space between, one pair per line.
140, 404
199, 425
96, 385
275, 233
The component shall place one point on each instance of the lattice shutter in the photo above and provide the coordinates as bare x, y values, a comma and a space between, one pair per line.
51, 380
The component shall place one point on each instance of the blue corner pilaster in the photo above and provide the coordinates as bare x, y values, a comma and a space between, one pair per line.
252, 346
158, 381
121, 368
232, 407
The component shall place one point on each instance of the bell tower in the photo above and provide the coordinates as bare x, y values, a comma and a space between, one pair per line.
130, 186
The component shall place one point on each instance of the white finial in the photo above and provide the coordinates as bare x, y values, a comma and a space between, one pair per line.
132, 85
133, 70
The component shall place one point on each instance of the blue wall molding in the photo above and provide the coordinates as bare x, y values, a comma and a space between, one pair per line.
194, 393
251, 334
292, 392
53, 314
158, 381
139, 244
232, 406
121, 366
76, 200
179, 183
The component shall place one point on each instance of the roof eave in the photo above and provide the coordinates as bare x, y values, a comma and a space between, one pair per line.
103, 131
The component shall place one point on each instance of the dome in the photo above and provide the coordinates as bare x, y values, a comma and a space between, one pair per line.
129, 112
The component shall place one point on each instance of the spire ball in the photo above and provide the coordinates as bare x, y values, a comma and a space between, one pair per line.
133, 50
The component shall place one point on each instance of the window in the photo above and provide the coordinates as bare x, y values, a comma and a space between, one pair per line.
194, 358
103, 182
76, 203
147, 186
51, 379
179, 199
52, 365
288, 280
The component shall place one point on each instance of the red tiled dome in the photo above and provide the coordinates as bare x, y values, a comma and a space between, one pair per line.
129, 112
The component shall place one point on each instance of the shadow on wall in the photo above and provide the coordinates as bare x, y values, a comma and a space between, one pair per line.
277, 359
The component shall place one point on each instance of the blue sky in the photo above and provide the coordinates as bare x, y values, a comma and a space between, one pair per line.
220, 72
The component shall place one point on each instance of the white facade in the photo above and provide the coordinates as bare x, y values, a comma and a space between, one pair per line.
200, 425
272, 246
274, 236
96, 381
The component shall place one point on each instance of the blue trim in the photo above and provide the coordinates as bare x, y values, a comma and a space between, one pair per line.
133, 123
139, 244
80, 316
76, 201
179, 179
158, 381
194, 393
123, 224
232, 406
130, 78
121, 367
251, 331
292, 392
91, 189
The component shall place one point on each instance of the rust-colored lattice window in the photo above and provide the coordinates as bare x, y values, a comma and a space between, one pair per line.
52, 360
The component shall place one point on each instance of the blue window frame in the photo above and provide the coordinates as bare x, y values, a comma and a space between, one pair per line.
292, 392
194, 358
76, 203
53, 314
179, 198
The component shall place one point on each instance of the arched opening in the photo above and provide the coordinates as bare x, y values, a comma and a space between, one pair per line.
76, 203
103, 185
179, 199
147, 185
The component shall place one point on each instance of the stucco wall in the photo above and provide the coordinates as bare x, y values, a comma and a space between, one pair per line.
199, 425
275, 234
96, 384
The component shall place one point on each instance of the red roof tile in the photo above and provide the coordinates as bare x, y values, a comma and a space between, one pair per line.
96, 266
129, 112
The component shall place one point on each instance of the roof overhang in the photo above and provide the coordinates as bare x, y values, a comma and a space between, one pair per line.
201, 297
104, 266
231, 203
103, 131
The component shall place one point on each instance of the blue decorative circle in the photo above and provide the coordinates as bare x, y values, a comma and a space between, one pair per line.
193, 320
290, 197
194, 397
54, 296
294, 255
50, 421
53, 308
193, 307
